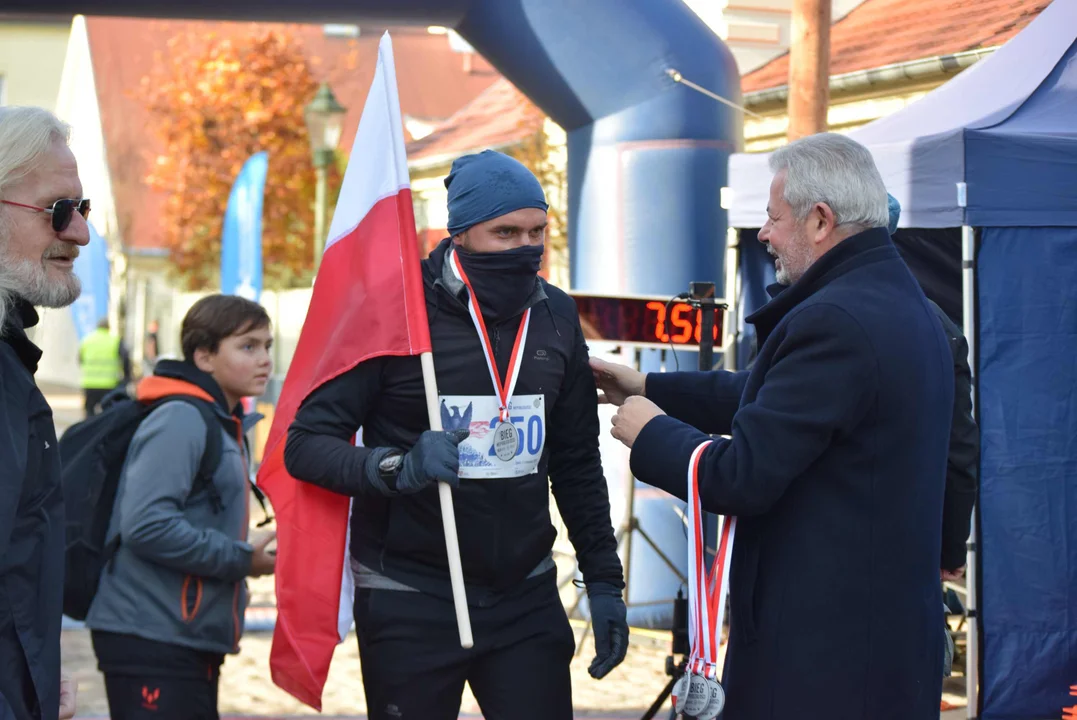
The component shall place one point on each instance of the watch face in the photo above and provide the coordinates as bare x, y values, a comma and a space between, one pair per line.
391, 464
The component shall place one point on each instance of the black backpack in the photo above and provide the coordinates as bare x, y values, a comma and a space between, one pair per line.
92, 453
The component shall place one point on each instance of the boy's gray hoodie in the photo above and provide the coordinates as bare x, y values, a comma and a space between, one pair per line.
179, 574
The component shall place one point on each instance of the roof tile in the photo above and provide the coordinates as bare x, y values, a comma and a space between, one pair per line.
884, 32
499, 116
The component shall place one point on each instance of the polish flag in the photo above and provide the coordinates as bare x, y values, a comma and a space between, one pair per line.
367, 302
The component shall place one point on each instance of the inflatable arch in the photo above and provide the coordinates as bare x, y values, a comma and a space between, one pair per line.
647, 156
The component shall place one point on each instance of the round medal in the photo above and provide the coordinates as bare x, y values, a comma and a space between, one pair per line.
698, 696
506, 441
715, 702
680, 693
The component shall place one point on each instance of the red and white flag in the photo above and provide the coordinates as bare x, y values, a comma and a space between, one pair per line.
367, 302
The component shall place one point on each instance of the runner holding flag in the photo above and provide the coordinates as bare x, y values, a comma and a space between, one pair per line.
367, 303
518, 412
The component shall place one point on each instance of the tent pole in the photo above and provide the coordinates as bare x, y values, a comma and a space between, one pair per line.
968, 286
731, 294
731, 291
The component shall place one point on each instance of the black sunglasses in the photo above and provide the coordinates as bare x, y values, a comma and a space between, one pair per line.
62, 210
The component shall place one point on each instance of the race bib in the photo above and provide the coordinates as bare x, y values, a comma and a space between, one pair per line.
479, 454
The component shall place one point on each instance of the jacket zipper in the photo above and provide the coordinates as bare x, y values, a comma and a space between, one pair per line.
188, 615
244, 526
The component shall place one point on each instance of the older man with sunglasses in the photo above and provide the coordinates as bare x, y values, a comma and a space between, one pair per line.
42, 225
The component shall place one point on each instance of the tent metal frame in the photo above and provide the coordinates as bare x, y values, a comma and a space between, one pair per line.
971, 330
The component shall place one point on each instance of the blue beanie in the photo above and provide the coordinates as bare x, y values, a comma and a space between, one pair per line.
488, 185
895, 212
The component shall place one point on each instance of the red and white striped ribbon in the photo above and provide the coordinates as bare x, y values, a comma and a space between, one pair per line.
706, 591
503, 390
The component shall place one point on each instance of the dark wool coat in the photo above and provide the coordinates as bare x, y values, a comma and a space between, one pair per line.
835, 467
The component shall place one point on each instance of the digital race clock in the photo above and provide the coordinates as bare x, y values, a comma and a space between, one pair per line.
646, 321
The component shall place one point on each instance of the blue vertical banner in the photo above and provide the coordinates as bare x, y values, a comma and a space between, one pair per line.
92, 269
241, 241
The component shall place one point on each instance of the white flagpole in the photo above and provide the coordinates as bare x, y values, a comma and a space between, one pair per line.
448, 517
387, 65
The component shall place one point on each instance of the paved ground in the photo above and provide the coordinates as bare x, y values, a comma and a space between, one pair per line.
247, 692
246, 688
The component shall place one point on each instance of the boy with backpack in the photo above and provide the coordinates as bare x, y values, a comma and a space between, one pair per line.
170, 595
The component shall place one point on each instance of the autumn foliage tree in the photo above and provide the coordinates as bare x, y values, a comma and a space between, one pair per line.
215, 101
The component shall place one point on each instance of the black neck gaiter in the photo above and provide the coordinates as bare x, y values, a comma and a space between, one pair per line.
503, 281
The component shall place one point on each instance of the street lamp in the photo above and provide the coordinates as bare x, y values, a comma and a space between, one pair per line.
324, 116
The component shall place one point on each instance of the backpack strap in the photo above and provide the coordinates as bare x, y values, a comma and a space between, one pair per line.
261, 498
207, 467
211, 455
258, 494
211, 458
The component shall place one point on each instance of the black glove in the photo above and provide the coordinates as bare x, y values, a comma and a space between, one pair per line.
435, 457
609, 620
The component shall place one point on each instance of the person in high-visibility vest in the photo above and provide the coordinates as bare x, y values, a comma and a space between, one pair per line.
104, 364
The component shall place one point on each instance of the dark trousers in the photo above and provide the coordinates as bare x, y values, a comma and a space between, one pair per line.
148, 680
94, 396
414, 668
160, 697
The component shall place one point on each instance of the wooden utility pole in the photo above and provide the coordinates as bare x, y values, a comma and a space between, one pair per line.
809, 68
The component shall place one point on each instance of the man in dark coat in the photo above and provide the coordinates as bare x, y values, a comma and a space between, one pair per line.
42, 225
835, 461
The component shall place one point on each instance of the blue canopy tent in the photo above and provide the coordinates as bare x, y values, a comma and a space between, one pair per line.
985, 168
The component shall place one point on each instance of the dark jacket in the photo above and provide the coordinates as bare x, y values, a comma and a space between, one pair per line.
963, 464
179, 575
31, 532
503, 525
835, 467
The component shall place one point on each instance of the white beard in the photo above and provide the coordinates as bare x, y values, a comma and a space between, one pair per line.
30, 281
791, 265
779, 272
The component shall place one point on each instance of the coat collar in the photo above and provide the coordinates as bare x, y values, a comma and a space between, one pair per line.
22, 316
853, 252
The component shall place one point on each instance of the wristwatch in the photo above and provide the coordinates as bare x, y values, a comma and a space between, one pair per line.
389, 468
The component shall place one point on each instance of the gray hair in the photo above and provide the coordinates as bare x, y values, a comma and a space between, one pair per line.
26, 134
836, 170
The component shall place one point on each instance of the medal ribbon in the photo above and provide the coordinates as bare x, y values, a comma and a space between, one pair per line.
503, 390
706, 591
